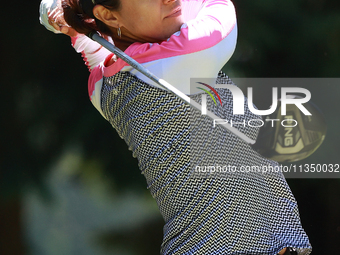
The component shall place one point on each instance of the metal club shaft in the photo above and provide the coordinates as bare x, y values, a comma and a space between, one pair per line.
119, 53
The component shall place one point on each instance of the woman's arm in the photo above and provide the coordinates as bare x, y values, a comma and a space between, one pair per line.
214, 21
51, 16
199, 50
92, 52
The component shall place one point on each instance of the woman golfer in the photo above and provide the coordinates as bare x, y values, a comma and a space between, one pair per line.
206, 210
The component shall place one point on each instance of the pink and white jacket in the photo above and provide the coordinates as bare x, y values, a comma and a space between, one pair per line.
205, 42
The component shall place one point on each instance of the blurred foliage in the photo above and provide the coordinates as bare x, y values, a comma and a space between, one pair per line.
45, 106
287, 38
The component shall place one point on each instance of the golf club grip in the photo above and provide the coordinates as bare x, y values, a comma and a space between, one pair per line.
119, 53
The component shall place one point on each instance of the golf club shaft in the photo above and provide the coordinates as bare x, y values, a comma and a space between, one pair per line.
96, 37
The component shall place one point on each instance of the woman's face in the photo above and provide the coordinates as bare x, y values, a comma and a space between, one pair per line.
150, 20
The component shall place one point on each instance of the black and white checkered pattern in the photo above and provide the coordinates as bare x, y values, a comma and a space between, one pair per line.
204, 213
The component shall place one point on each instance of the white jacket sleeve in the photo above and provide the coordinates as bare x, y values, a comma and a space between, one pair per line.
93, 53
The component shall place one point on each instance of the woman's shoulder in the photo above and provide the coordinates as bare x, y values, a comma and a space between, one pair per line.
213, 22
199, 49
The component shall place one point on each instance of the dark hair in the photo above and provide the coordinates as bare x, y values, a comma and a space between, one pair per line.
79, 15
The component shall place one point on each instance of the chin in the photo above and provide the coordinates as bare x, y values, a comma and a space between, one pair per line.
166, 33
174, 30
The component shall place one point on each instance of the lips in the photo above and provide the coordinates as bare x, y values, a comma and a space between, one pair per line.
176, 12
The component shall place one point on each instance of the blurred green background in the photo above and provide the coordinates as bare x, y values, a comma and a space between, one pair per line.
68, 184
